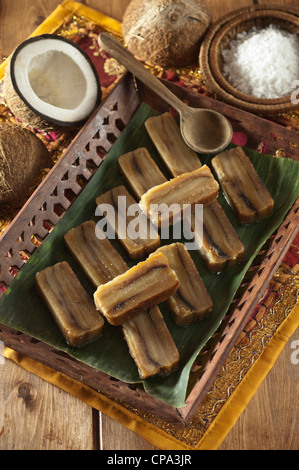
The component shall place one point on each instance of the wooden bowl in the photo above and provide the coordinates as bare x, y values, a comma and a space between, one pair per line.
218, 37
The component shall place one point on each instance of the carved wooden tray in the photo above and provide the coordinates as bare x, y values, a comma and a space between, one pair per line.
101, 131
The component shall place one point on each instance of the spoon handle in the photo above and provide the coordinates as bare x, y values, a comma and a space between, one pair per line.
124, 57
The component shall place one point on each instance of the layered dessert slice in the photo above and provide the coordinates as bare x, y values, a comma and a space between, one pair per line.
94, 253
191, 301
242, 186
196, 187
177, 156
218, 242
71, 307
140, 171
141, 287
150, 344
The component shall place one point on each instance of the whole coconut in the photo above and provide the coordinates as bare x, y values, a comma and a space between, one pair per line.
165, 32
22, 156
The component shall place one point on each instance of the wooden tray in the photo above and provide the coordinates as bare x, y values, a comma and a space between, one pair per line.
101, 132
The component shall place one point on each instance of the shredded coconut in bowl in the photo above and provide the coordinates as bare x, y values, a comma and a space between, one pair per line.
263, 62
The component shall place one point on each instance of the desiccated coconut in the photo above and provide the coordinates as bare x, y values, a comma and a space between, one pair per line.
263, 62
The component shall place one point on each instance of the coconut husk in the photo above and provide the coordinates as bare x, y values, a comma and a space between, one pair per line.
22, 156
19, 109
165, 32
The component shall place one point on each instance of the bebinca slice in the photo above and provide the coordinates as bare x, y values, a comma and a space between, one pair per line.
177, 156
151, 344
196, 187
242, 186
71, 307
191, 302
140, 171
141, 287
94, 253
218, 242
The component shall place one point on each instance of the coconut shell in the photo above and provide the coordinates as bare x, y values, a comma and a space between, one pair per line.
22, 156
165, 32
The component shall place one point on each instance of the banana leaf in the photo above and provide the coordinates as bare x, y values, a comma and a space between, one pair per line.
22, 308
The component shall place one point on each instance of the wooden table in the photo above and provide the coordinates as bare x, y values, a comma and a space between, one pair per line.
36, 415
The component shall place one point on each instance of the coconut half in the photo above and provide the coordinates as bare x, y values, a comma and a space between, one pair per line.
50, 82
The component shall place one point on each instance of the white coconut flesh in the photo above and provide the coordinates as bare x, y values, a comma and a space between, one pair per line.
55, 79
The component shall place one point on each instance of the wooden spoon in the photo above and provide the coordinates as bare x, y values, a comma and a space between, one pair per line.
204, 130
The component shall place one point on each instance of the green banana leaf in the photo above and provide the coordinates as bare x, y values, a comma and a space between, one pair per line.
22, 308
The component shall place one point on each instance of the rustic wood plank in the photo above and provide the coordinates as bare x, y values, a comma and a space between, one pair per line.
117, 437
35, 415
271, 420
18, 19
